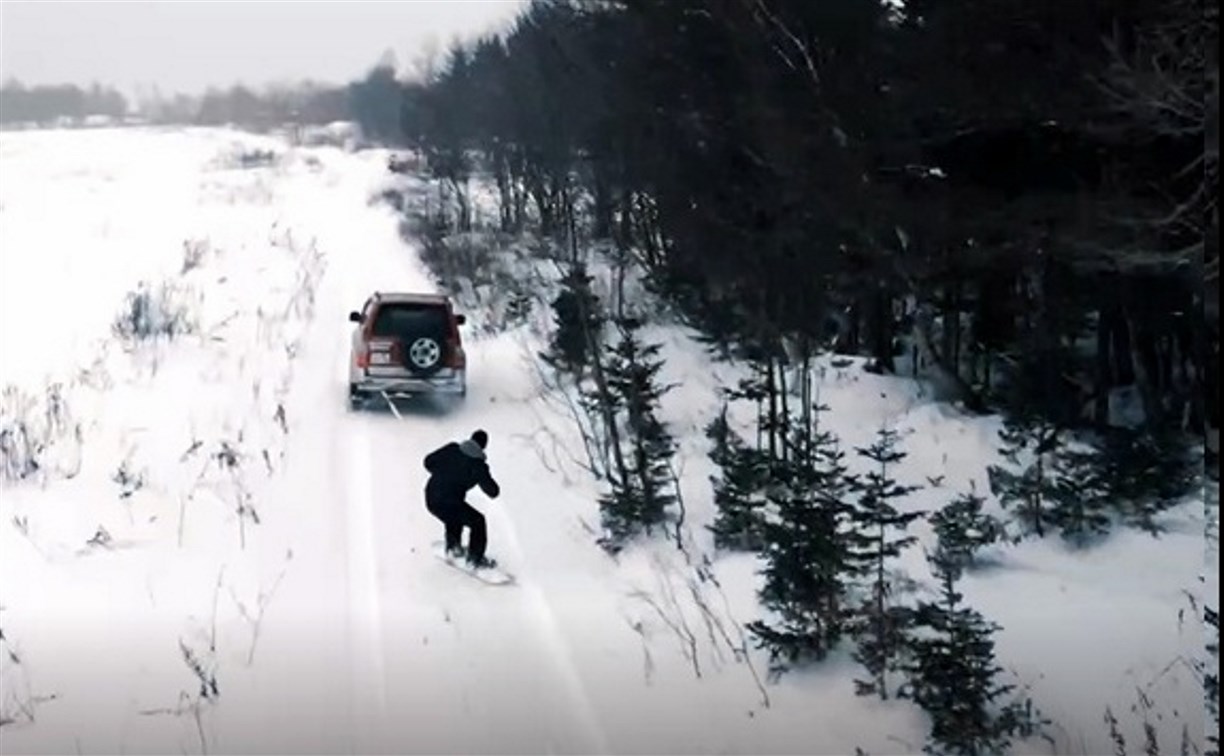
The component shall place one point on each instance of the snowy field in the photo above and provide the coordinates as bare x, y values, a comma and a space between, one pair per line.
214, 554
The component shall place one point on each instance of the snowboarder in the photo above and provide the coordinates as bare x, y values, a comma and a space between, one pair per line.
455, 469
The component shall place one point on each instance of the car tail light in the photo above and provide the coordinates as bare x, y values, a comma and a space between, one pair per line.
363, 357
456, 359
383, 353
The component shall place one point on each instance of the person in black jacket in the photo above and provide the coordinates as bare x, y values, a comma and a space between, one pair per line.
455, 469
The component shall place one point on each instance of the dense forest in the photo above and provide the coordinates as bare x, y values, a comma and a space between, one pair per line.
1017, 196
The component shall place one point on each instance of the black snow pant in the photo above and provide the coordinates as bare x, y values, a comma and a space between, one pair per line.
456, 516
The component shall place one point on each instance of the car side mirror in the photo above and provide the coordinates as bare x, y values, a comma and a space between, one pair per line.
355, 317
460, 319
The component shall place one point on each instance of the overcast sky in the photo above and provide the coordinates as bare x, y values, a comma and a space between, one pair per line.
189, 45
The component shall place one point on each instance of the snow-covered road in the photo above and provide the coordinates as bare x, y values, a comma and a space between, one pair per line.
437, 661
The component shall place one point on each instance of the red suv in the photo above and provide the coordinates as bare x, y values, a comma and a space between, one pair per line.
405, 345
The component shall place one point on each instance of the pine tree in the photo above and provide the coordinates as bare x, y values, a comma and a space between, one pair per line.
755, 389
879, 627
1079, 497
806, 556
962, 529
579, 322
1145, 474
640, 499
952, 673
737, 489
1032, 488
1122, 476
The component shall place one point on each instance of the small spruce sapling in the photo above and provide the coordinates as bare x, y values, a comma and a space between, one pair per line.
877, 537
1029, 487
579, 322
737, 489
1079, 498
640, 501
807, 557
963, 529
952, 673
1146, 473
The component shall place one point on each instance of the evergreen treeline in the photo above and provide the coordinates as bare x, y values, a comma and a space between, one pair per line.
1014, 195
305, 103
43, 104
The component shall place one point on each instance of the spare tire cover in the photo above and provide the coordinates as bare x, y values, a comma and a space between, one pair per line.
421, 331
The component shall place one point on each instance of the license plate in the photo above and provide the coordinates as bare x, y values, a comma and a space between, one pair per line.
380, 358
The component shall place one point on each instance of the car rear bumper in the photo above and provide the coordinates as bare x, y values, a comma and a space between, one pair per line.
452, 383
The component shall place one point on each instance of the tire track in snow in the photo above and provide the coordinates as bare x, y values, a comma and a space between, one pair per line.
366, 616
352, 448
556, 644
432, 682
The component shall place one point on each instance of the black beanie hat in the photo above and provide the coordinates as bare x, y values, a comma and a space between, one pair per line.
481, 438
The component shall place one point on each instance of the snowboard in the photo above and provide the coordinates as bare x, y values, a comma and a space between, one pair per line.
489, 576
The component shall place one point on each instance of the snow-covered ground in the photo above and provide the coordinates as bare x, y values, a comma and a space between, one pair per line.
217, 555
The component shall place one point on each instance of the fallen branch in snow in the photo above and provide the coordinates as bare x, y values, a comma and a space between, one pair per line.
561, 448
741, 649
212, 635
212, 332
182, 517
530, 440
255, 619
677, 624
647, 660
555, 393
229, 458
712, 624
16, 707
682, 510
22, 523
209, 689
688, 641
191, 450
705, 576
25, 709
590, 529
186, 705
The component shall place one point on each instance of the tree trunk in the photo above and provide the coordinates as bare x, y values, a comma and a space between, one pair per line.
624, 236
1104, 382
602, 210
1144, 378
784, 429
882, 328
948, 385
772, 389
608, 413
505, 194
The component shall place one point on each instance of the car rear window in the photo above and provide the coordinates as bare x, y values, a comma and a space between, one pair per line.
400, 318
